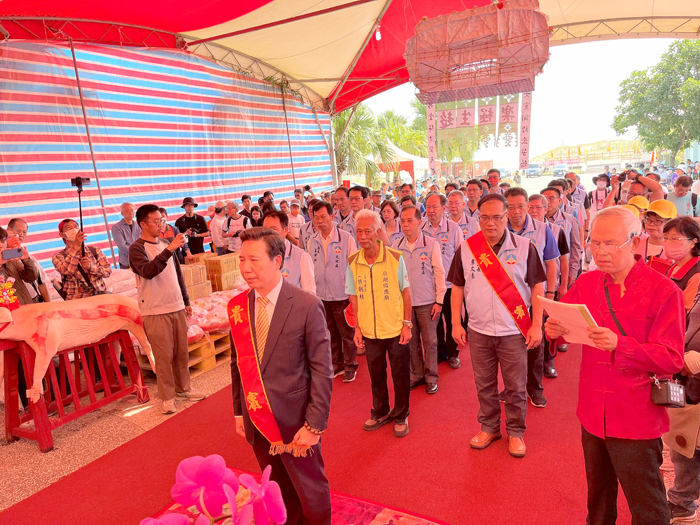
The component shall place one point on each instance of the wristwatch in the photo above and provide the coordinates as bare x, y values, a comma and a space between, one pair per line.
408, 323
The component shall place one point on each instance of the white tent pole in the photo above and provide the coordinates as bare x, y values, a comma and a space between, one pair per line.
92, 151
347, 123
362, 49
329, 146
289, 140
331, 152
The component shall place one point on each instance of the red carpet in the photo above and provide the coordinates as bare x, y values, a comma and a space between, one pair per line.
346, 511
432, 472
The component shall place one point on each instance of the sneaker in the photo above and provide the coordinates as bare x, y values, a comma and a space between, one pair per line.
168, 407
192, 395
680, 514
374, 424
349, 376
537, 400
401, 428
338, 373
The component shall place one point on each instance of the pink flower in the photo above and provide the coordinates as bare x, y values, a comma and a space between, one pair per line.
246, 515
199, 481
268, 504
168, 519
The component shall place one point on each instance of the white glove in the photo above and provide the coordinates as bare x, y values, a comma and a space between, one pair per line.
692, 361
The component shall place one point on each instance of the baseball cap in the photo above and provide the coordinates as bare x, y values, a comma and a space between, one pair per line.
295, 202
63, 223
663, 208
631, 208
376, 193
641, 203
680, 167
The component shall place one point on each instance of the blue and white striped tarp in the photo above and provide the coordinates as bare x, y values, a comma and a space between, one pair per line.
165, 125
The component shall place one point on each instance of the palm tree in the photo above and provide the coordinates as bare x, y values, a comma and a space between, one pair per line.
395, 127
362, 138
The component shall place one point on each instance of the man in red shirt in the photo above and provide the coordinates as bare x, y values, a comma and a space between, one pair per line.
621, 426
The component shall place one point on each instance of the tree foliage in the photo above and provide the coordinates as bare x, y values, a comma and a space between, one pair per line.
663, 102
396, 128
362, 138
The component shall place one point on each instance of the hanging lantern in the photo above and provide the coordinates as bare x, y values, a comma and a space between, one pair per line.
488, 51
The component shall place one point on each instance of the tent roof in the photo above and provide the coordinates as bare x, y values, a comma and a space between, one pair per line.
325, 49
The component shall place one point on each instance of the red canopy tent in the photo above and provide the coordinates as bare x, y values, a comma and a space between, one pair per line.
374, 65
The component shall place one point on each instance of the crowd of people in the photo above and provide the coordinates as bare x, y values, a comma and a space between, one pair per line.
410, 278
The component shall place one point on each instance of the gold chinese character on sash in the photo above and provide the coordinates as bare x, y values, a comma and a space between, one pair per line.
236, 314
253, 401
519, 312
484, 259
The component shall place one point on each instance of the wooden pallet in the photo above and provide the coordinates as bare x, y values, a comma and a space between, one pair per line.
210, 351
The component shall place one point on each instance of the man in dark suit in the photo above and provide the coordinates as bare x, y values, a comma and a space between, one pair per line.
296, 368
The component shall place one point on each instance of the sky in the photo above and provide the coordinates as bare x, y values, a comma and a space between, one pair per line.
574, 99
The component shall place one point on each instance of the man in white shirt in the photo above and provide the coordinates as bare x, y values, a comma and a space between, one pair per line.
232, 227
296, 219
426, 273
215, 228
297, 266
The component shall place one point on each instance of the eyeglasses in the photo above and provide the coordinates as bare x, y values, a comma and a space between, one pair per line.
606, 247
536, 208
518, 207
676, 239
654, 222
488, 218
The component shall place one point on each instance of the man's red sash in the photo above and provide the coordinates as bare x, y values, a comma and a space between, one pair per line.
500, 281
256, 401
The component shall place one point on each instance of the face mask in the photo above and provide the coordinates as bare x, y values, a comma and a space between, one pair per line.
676, 250
601, 184
71, 234
624, 196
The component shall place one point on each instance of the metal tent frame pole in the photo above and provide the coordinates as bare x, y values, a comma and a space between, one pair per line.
289, 140
331, 152
92, 151
329, 146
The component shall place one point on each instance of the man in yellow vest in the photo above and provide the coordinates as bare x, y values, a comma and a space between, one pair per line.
377, 283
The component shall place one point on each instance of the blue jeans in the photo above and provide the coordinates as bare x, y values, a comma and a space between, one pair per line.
686, 488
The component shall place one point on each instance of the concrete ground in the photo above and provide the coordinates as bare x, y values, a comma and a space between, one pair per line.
25, 470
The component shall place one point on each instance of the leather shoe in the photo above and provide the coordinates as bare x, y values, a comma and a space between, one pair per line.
550, 372
454, 362
431, 388
483, 440
516, 447
416, 384
563, 348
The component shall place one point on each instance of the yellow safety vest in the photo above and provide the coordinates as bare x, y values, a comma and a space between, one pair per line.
379, 298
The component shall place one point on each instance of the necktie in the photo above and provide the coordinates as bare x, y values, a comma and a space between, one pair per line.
262, 326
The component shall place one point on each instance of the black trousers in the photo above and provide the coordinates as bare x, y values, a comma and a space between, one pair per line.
447, 346
535, 366
343, 349
303, 483
400, 361
635, 464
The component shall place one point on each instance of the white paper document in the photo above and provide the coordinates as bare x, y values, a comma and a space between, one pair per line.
575, 317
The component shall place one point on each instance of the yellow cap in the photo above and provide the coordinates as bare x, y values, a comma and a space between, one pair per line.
640, 202
633, 209
663, 208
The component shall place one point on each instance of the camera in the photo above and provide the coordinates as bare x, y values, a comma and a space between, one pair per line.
307, 187
622, 177
79, 182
